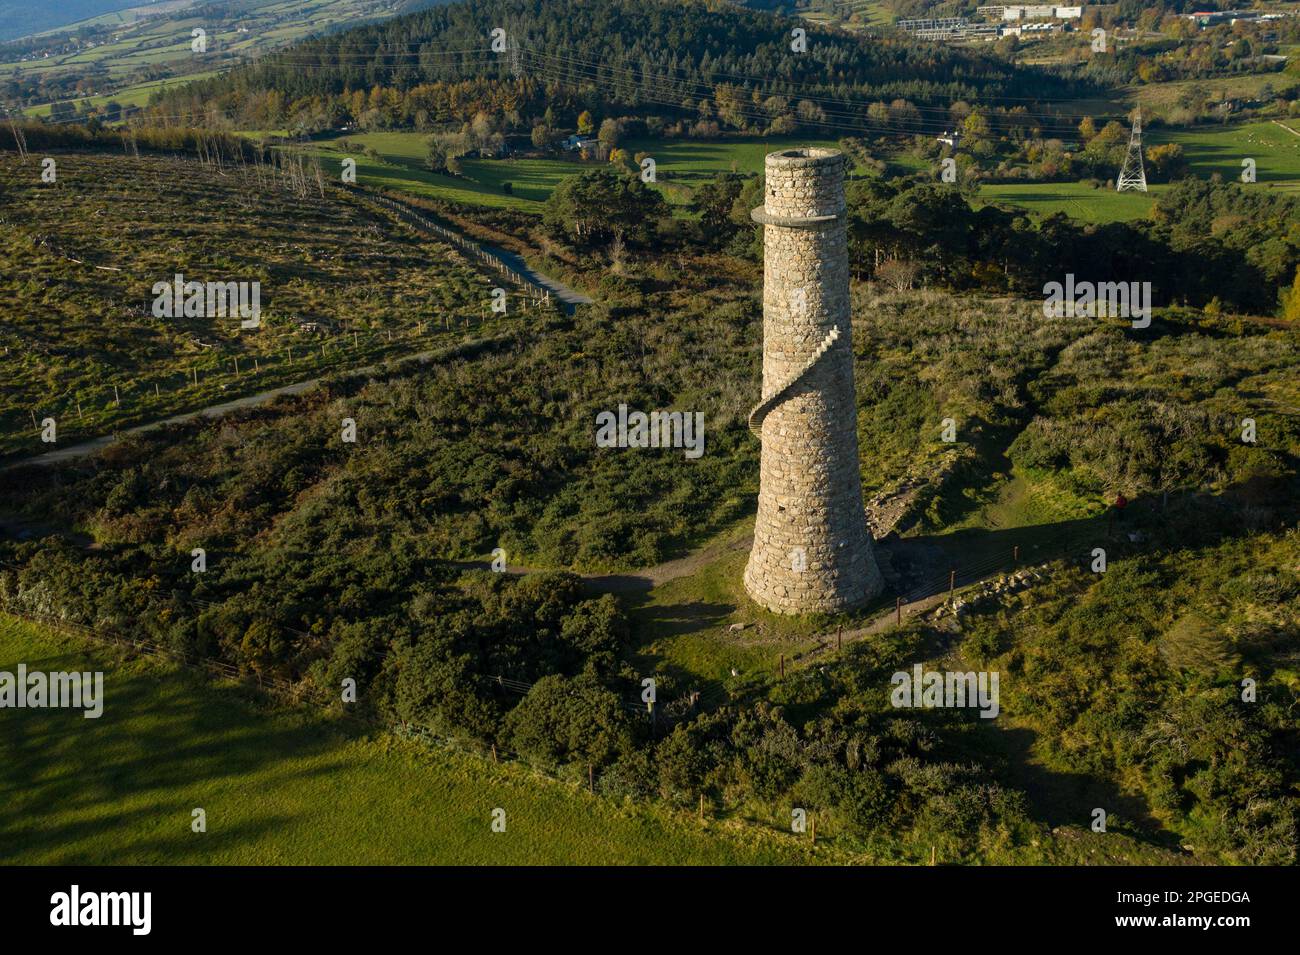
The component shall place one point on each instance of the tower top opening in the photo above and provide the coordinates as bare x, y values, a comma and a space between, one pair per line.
805, 156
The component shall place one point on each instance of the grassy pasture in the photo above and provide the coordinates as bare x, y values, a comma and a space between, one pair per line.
295, 788
684, 164
402, 168
703, 158
681, 165
1209, 150
1074, 199
868, 12
135, 95
1157, 99
283, 786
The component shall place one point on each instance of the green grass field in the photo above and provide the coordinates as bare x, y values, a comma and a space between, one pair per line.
681, 165
290, 787
684, 164
402, 168
1221, 149
864, 12
1074, 199
301, 787
687, 158
1209, 150
136, 95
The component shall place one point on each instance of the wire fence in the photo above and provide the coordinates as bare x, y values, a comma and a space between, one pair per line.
540, 295
280, 353
1067, 543
297, 694
140, 402
1063, 545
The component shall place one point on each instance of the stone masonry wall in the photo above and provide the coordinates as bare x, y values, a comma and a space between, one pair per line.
812, 551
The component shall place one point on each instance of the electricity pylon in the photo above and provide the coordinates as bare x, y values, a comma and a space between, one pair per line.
516, 61
1132, 176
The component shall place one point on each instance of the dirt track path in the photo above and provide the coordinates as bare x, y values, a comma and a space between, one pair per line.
80, 450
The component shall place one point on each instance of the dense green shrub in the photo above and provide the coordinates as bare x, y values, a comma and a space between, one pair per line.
566, 720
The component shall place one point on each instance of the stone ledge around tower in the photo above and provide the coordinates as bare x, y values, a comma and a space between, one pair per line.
760, 216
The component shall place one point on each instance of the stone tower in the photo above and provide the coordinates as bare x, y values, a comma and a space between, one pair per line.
812, 550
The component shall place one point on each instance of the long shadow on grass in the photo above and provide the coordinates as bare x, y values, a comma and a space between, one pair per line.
923, 563
121, 788
1060, 798
672, 620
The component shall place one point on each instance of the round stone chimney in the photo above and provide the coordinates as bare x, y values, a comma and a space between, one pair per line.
812, 551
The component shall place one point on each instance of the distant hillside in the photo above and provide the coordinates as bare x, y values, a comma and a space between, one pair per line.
138, 46
627, 53
674, 60
18, 18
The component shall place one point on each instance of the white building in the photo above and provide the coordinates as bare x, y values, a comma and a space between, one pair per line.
1035, 12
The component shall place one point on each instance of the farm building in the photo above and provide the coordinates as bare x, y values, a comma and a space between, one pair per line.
575, 144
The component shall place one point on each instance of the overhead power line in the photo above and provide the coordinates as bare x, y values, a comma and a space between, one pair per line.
814, 97
841, 115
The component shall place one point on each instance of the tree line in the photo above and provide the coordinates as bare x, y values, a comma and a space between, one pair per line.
608, 56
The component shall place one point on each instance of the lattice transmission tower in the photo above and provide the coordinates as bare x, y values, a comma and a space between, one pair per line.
1132, 176
516, 60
